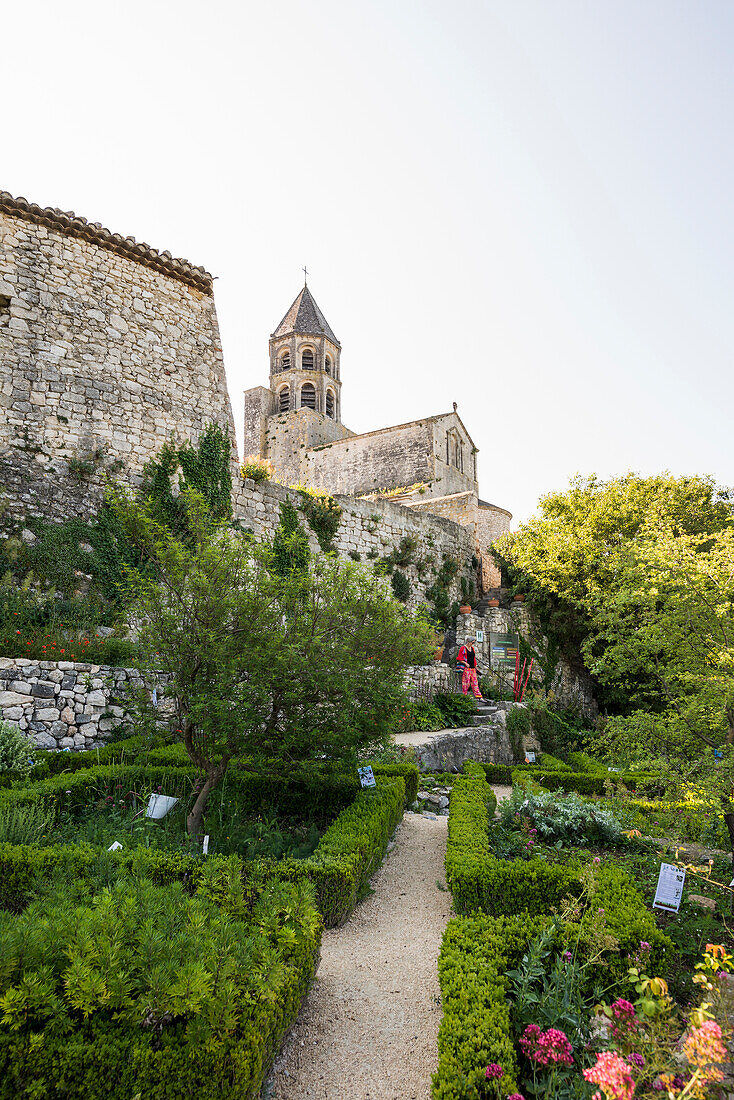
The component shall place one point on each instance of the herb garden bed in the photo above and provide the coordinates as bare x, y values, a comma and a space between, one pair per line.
554, 922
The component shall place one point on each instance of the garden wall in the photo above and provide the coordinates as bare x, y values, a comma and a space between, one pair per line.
369, 530
63, 704
571, 687
449, 750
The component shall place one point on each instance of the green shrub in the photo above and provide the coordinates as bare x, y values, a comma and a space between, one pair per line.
552, 763
174, 991
582, 762
350, 849
456, 709
400, 586
409, 773
423, 716
25, 824
567, 818
15, 750
498, 773
475, 1029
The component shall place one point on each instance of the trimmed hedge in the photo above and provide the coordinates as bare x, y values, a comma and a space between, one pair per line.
319, 795
409, 773
349, 851
347, 854
506, 904
475, 1029
100, 1056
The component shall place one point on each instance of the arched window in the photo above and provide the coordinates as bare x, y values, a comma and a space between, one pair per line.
308, 396
330, 403
327, 365
285, 361
307, 359
284, 399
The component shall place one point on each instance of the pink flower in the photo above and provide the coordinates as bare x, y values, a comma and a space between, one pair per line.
612, 1073
547, 1047
516, 1096
625, 1018
637, 1059
596, 859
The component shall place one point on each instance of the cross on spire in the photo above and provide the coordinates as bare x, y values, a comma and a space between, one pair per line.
305, 277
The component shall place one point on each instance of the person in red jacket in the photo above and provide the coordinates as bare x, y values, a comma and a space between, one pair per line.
467, 661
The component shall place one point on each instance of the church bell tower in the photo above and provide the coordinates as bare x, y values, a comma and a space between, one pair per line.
305, 370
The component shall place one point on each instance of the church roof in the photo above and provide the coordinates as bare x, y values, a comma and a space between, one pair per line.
305, 318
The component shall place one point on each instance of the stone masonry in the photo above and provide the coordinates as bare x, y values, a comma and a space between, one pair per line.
64, 705
107, 348
370, 529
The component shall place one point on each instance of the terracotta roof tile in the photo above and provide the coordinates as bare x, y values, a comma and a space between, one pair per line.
68, 222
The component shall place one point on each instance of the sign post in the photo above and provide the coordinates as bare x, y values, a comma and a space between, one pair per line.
366, 776
669, 893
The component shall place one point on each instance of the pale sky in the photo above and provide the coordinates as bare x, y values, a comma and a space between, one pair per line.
522, 206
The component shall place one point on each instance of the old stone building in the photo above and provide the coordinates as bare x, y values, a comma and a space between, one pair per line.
107, 347
296, 424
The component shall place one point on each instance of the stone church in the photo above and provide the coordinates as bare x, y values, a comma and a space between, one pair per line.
296, 424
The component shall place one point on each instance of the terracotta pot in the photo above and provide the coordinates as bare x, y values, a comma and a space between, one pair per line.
493, 603
465, 609
438, 654
519, 598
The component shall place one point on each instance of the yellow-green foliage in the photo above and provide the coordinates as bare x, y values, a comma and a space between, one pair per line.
147, 984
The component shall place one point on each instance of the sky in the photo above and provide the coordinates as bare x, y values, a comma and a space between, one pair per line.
521, 206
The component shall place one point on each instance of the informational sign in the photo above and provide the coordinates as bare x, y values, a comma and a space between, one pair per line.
530, 757
669, 892
480, 635
366, 777
503, 649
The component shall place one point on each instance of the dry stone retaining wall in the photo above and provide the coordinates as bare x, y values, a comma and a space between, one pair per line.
64, 705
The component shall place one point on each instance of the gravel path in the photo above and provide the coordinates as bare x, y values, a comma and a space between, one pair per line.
368, 1028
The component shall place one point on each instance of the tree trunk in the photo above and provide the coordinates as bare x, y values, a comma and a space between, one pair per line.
194, 819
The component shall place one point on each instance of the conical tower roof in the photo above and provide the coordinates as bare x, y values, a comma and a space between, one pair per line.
306, 319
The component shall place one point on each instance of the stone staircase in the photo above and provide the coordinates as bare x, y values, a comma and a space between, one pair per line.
486, 713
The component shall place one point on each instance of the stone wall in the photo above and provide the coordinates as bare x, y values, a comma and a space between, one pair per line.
368, 529
288, 437
65, 704
448, 750
425, 680
571, 687
486, 522
106, 348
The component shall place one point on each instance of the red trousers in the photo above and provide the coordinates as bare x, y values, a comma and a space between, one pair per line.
469, 680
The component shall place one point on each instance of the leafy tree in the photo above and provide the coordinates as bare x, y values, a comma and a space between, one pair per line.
647, 566
297, 666
573, 559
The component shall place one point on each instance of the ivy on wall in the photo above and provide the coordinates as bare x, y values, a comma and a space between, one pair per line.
323, 514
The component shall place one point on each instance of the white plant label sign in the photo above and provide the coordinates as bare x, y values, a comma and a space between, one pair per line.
480, 635
669, 893
205, 846
159, 805
366, 776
